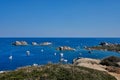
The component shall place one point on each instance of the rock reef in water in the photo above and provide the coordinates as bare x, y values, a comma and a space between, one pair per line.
62, 48
20, 43
41, 44
35, 43
106, 47
45, 44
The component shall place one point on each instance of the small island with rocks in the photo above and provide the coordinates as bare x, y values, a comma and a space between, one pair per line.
65, 48
41, 44
20, 43
106, 47
45, 44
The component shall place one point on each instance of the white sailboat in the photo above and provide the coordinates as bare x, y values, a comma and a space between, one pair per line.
28, 53
10, 57
61, 54
42, 50
55, 54
65, 60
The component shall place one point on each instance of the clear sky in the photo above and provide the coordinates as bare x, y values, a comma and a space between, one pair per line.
59, 18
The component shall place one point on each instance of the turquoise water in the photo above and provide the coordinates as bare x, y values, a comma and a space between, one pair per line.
37, 57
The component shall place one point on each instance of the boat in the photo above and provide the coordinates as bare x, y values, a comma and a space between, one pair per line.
61, 54
55, 54
28, 53
35, 64
10, 57
65, 60
42, 50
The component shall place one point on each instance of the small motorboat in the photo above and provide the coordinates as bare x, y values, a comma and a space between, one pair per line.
35, 64
10, 57
55, 54
65, 60
28, 53
42, 50
61, 54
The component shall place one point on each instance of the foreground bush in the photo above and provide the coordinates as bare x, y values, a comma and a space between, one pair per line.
111, 61
56, 72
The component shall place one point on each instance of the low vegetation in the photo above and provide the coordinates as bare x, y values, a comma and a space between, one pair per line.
111, 61
56, 72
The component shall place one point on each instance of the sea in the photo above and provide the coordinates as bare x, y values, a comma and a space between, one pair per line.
42, 55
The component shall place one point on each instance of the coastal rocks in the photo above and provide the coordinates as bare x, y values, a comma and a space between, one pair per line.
45, 43
90, 63
113, 69
20, 43
41, 44
86, 60
63, 48
24, 43
109, 44
118, 63
104, 46
95, 64
35, 43
111, 61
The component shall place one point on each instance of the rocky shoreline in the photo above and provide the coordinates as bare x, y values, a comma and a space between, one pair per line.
96, 64
104, 46
65, 48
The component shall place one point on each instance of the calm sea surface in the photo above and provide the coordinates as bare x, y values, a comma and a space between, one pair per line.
37, 57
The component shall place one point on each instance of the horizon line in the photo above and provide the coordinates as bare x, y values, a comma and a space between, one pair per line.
59, 37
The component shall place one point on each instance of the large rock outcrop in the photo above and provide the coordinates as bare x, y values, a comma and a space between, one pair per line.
20, 43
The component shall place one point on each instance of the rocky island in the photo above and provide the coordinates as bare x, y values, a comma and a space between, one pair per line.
20, 43
106, 47
35, 44
24, 43
45, 44
65, 48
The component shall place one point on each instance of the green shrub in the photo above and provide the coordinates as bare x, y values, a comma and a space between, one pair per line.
111, 61
56, 72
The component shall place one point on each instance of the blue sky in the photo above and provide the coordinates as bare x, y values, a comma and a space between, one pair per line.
59, 18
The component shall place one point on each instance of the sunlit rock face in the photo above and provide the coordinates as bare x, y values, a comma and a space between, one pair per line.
20, 43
